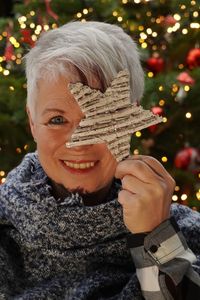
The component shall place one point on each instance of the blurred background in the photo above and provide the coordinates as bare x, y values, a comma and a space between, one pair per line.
168, 36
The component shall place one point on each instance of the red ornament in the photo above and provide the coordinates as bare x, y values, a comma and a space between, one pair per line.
156, 110
9, 51
193, 58
26, 37
169, 20
155, 64
185, 78
188, 159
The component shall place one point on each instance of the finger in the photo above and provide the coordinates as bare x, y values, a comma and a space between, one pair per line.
134, 185
137, 168
152, 163
125, 197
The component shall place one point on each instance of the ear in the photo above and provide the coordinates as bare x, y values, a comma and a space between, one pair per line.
31, 122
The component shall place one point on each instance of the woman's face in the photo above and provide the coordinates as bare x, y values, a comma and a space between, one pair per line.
56, 117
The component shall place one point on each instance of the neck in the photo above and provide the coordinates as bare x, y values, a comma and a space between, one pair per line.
89, 199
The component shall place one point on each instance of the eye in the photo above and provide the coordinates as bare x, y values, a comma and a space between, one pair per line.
58, 120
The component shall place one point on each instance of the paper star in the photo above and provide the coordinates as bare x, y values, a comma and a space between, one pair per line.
109, 117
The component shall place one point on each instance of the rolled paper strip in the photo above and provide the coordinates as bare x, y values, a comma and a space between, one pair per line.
110, 117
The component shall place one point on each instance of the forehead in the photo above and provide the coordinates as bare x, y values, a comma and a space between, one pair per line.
55, 94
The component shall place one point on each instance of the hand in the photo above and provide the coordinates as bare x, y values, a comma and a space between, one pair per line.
146, 193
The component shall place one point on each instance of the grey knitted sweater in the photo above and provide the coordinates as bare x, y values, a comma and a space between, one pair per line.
62, 249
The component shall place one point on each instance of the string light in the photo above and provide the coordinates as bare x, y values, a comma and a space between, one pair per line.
195, 14
115, 13
79, 15
161, 88
46, 27
143, 35
195, 25
175, 88
180, 66
174, 197
183, 7
184, 31
162, 102
150, 74
177, 188
186, 88
85, 11
136, 152
32, 13
34, 37
54, 25
183, 197
177, 17
144, 45
6, 72
149, 30
164, 119
18, 61
138, 133
18, 150
164, 159
198, 195
188, 115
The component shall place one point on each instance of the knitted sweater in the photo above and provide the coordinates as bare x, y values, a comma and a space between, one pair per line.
53, 249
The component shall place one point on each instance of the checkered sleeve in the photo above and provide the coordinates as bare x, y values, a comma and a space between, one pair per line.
164, 264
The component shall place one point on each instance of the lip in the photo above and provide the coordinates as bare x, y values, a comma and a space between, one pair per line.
79, 171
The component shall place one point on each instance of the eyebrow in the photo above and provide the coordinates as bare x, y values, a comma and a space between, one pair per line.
53, 110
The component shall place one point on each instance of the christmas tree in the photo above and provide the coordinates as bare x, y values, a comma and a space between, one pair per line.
168, 35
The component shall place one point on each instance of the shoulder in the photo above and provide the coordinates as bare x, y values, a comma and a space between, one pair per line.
188, 221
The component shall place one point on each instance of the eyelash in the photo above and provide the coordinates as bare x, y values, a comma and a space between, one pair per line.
64, 121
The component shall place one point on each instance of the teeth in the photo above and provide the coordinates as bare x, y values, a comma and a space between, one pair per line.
79, 166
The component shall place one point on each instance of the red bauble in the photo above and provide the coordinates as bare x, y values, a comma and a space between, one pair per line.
156, 110
185, 78
9, 51
26, 37
155, 64
188, 159
169, 20
193, 58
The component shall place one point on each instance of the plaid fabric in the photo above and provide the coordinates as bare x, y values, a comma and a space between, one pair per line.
163, 261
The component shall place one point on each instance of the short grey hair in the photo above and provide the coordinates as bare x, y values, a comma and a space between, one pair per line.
93, 48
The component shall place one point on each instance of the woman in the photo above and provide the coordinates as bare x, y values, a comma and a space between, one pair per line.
66, 214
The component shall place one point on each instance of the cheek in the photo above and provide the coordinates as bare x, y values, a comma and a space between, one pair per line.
108, 161
49, 140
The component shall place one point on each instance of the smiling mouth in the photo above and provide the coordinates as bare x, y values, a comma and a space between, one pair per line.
81, 165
